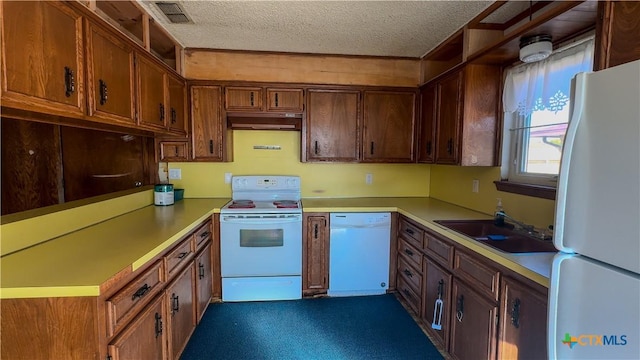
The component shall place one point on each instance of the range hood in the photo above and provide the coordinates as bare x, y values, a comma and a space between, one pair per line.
264, 121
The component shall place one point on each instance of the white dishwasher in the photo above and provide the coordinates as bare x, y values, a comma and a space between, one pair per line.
359, 253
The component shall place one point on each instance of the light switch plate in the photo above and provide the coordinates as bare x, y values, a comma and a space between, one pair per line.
368, 179
475, 187
175, 174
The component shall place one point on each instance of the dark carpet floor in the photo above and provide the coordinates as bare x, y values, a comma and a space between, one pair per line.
366, 327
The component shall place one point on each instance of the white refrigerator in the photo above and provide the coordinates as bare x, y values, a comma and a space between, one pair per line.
594, 296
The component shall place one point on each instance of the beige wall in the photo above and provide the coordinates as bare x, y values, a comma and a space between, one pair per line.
312, 69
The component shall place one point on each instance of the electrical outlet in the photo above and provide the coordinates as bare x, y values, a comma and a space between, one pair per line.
475, 185
368, 179
227, 178
175, 174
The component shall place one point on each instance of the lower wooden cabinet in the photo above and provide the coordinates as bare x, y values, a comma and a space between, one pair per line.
181, 310
523, 322
145, 337
473, 324
315, 272
436, 301
204, 287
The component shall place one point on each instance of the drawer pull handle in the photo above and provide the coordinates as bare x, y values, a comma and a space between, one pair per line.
158, 325
251, 99
315, 231
460, 308
182, 255
450, 147
316, 147
372, 148
408, 252
200, 271
104, 95
205, 234
142, 291
428, 147
408, 273
409, 231
515, 313
276, 99
174, 116
161, 112
175, 303
407, 293
211, 146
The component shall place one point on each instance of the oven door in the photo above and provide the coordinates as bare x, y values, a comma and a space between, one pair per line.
253, 245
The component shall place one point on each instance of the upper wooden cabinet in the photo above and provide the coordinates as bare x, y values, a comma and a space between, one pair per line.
176, 114
42, 57
151, 79
110, 76
332, 130
427, 125
389, 119
243, 99
285, 100
207, 123
617, 33
466, 113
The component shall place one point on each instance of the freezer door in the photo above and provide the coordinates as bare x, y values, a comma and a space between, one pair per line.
594, 310
598, 195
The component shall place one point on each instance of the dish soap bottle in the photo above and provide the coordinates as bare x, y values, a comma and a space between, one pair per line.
498, 218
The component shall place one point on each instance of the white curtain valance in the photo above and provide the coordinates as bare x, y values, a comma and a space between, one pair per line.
546, 85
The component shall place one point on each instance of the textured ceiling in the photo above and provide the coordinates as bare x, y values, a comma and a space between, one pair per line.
377, 28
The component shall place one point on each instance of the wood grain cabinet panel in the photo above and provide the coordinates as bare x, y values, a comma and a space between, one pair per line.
414, 300
427, 125
316, 254
285, 100
176, 112
523, 322
389, 119
243, 98
206, 123
617, 33
439, 248
42, 57
484, 277
448, 119
204, 273
332, 125
181, 310
174, 150
473, 324
412, 233
110, 76
145, 337
412, 255
180, 255
153, 109
411, 276
437, 286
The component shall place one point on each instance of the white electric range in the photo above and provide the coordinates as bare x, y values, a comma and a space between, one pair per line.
261, 239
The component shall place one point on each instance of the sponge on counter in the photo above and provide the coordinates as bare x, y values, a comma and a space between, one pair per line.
496, 237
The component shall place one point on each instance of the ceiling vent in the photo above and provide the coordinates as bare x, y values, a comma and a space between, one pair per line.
173, 11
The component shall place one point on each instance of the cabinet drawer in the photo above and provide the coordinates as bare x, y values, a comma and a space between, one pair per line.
411, 233
410, 275
179, 256
243, 98
439, 249
412, 255
129, 300
483, 278
203, 235
409, 295
284, 100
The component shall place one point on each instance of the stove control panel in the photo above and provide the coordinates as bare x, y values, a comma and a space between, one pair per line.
268, 183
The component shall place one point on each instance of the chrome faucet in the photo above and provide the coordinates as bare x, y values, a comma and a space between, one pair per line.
528, 228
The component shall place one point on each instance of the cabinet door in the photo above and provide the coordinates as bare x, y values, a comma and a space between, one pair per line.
174, 150
473, 324
42, 57
181, 310
151, 80
316, 255
203, 280
523, 322
206, 123
285, 100
427, 140
388, 126
145, 337
617, 32
448, 119
243, 99
109, 76
176, 114
437, 301
332, 125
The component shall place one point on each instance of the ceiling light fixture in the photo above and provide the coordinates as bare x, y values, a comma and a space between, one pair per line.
535, 48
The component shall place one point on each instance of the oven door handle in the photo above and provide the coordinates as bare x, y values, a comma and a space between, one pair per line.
267, 221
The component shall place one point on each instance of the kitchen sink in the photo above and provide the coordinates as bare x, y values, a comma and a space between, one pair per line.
486, 232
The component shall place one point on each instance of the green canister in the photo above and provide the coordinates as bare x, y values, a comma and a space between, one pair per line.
163, 194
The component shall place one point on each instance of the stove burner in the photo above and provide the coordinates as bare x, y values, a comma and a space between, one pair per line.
288, 204
242, 204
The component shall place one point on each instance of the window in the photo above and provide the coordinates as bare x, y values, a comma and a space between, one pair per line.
537, 102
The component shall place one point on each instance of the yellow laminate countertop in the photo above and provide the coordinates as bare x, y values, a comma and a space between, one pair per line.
535, 266
76, 264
